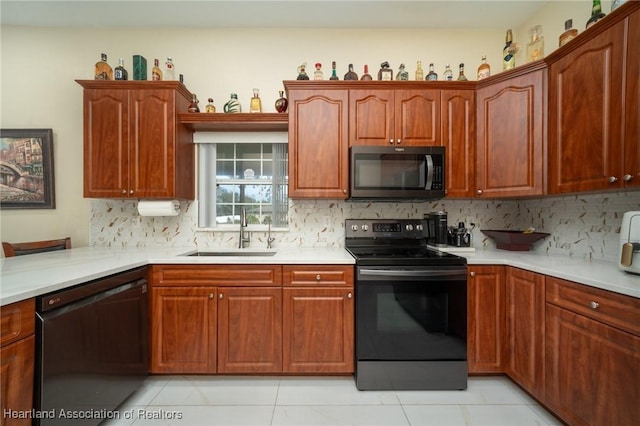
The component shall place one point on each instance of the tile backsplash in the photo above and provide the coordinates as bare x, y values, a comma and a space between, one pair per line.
585, 226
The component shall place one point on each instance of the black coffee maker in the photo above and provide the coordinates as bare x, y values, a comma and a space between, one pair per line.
436, 228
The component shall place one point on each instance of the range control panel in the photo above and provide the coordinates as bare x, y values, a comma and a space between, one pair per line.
386, 228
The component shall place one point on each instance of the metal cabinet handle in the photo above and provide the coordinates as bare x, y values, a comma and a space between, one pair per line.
220, 296
627, 178
398, 141
391, 141
349, 296
613, 179
594, 305
318, 278
131, 192
124, 191
344, 191
473, 274
210, 295
479, 192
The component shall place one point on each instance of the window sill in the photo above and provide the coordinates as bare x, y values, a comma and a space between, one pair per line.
236, 228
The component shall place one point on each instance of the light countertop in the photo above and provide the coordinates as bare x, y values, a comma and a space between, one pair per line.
23, 277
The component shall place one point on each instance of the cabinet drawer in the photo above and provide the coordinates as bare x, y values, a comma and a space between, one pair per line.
317, 275
217, 275
18, 321
617, 310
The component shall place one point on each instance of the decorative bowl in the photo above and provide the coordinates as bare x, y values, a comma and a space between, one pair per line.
514, 240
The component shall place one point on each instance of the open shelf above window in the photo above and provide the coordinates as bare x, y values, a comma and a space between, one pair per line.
246, 122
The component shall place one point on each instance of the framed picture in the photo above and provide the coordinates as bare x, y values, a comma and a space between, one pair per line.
26, 169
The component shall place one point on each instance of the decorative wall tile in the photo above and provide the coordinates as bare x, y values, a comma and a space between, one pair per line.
585, 226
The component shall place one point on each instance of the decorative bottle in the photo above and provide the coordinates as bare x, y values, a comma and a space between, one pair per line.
366, 75
333, 71
461, 76
233, 105
447, 74
318, 74
385, 73
402, 75
156, 72
193, 106
256, 104
302, 73
616, 3
433, 75
596, 13
351, 75
508, 57
210, 108
419, 72
281, 103
569, 32
169, 71
484, 70
120, 73
535, 49
103, 69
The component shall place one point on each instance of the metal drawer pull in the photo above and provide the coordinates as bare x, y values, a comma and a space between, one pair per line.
318, 277
349, 296
210, 295
594, 305
220, 296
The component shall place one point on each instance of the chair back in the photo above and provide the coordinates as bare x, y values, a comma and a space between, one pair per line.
20, 249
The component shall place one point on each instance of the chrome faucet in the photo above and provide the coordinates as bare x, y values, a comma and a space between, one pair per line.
270, 239
243, 224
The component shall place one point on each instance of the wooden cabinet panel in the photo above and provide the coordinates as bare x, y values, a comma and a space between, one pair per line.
17, 362
249, 330
631, 170
371, 117
525, 304
585, 115
17, 321
318, 275
458, 129
592, 370
486, 319
318, 329
217, 275
510, 130
417, 117
183, 330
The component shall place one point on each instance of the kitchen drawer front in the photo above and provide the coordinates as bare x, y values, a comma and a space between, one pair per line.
314, 275
617, 310
18, 321
217, 275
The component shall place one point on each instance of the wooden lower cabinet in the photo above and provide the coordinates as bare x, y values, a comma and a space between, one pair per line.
17, 360
318, 330
525, 302
249, 330
183, 330
486, 319
592, 370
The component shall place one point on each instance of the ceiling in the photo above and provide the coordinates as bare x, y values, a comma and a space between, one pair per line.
469, 14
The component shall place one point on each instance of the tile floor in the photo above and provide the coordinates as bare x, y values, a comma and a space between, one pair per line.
315, 401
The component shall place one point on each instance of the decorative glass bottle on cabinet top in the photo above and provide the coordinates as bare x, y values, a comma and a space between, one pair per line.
596, 13
385, 73
156, 72
433, 75
484, 70
318, 74
169, 70
403, 75
366, 75
419, 71
281, 103
120, 73
193, 106
447, 74
461, 76
103, 70
535, 49
256, 103
351, 74
210, 108
508, 57
334, 76
569, 32
233, 105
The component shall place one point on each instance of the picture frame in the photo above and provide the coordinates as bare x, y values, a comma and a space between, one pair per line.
26, 169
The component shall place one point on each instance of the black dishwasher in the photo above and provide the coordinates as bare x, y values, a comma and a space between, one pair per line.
92, 349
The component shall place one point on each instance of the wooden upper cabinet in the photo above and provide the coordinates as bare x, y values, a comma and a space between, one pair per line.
586, 114
631, 170
401, 117
318, 145
134, 147
458, 129
510, 134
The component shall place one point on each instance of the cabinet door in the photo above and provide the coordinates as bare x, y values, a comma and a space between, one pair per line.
525, 300
458, 124
417, 117
318, 146
486, 319
318, 330
592, 371
631, 171
249, 330
585, 115
371, 117
510, 161
106, 143
152, 147
17, 362
183, 330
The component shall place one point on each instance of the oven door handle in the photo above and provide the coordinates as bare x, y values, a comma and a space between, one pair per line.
461, 273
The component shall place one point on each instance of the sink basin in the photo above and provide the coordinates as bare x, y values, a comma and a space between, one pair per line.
232, 253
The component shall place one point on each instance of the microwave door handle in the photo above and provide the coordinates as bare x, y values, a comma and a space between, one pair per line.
429, 183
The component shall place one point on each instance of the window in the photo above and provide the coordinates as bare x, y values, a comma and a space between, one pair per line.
239, 170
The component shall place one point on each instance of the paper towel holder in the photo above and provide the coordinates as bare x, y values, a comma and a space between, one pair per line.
158, 207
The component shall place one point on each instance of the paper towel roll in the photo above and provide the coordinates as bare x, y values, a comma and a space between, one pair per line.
158, 208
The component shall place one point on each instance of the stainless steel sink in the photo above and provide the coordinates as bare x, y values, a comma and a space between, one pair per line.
232, 253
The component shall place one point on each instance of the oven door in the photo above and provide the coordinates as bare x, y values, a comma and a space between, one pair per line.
411, 313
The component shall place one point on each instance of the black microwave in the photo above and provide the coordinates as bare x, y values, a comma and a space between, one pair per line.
397, 174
